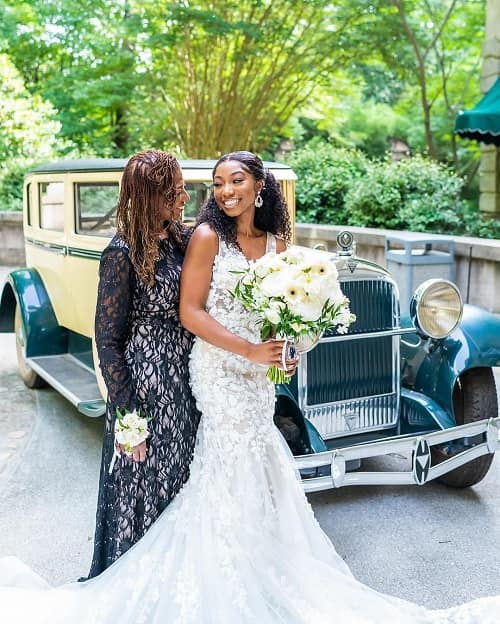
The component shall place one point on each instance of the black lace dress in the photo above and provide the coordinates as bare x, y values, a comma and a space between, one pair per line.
143, 352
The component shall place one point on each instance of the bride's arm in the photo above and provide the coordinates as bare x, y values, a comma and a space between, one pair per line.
196, 276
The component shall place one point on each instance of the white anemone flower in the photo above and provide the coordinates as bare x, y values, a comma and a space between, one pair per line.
294, 293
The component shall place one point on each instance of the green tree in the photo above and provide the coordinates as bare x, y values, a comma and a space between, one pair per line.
27, 126
28, 133
81, 57
231, 73
445, 40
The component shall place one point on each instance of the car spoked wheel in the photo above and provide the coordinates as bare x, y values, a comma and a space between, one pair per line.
474, 398
28, 375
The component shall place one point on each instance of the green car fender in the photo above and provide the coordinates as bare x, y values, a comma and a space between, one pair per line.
42, 333
433, 366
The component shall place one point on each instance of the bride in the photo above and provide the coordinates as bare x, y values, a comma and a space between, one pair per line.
240, 543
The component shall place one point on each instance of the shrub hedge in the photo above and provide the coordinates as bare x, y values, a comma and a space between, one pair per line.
343, 187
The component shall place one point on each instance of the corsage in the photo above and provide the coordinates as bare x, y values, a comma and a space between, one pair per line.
130, 430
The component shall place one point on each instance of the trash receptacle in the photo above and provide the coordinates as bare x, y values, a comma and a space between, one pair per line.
412, 258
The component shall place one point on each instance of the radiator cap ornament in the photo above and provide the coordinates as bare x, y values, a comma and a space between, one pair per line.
345, 241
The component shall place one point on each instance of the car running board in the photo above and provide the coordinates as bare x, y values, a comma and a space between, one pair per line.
72, 379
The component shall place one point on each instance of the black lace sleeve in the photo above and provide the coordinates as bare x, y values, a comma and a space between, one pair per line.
114, 297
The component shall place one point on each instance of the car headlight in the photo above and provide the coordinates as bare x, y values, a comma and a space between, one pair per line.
436, 308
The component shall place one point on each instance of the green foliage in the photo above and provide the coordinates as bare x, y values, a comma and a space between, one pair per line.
199, 78
324, 176
27, 126
81, 57
28, 134
414, 194
438, 57
343, 187
473, 224
242, 68
432, 85
369, 125
11, 187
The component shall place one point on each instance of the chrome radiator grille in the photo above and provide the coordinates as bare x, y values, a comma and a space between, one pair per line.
351, 384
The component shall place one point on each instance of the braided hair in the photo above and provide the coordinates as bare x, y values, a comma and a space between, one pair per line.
271, 217
148, 178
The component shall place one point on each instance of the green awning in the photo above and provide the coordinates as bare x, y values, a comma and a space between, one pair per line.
482, 122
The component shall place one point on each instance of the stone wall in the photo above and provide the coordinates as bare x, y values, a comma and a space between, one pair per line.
11, 239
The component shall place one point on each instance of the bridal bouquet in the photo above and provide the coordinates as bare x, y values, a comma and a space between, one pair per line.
130, 430
296, 295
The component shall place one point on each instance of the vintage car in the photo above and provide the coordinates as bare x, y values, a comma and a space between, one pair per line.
420, 387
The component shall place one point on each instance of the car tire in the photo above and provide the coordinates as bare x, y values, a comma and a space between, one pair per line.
474, 398
28, 375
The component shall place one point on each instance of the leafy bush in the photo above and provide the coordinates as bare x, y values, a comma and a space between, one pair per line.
414, 194
474, 225
11, 187
374, 200
343, 187
324, 176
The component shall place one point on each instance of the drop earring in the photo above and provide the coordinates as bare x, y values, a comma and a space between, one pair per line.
258, 200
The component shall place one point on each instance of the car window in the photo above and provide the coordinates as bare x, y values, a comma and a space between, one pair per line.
51, 203
199, 192
95, 205
28, 204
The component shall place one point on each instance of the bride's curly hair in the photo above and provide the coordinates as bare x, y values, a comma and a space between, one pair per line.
148, 178
271, 217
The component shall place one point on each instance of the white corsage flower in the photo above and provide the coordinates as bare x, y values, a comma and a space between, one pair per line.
131, 429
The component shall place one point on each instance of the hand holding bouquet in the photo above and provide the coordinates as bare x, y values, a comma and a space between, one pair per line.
130, 430
296, 295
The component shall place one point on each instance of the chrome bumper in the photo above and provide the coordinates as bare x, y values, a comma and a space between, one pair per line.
419, 446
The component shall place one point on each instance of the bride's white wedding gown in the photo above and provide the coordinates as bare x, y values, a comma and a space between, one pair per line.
240, 543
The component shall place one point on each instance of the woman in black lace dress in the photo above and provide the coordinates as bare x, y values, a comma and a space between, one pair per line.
143, 352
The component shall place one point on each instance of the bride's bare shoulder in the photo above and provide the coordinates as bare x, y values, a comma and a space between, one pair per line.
204, 241
205, 233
